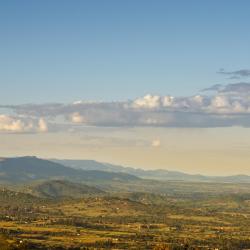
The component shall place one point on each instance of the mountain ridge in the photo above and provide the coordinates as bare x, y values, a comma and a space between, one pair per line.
29, 168
157, 174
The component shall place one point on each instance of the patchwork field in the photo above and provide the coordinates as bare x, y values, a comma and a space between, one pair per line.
128, 220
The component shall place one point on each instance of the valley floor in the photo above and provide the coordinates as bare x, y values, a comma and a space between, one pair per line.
125, 221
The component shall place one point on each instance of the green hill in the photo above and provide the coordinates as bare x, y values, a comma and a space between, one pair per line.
62, 188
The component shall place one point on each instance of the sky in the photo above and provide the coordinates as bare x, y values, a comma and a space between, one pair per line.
150, 84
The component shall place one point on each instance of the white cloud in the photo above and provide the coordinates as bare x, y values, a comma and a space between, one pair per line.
10, 124
167, 101
77, 118
148, 101
198, 99
238, 107
220, 102
229, 106
42, 125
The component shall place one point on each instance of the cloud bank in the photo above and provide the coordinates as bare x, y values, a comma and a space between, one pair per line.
217, 106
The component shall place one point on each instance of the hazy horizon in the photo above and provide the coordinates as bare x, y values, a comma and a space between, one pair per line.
136, 83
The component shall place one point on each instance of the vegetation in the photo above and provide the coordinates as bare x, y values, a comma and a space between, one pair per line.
115, 213
132, 220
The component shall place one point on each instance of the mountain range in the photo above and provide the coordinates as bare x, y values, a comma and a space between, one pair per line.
158, 174
28, 169
24, 169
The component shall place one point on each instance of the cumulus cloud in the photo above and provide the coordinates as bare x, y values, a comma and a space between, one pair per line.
11, 124
42, 125
77, 118
227, 105
148, 101
219, 102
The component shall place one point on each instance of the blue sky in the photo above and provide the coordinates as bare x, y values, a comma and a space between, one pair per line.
62, 51
137, 67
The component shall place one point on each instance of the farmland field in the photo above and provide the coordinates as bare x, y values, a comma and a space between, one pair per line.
129, 220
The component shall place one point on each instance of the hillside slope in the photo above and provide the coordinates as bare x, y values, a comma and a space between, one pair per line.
23, 169
63, 188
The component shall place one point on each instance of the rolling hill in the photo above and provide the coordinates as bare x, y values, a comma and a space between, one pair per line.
23, 169
63, 188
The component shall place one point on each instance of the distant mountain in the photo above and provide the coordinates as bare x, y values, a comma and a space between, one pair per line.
23, 169
63, 188
92, 165
158, 174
